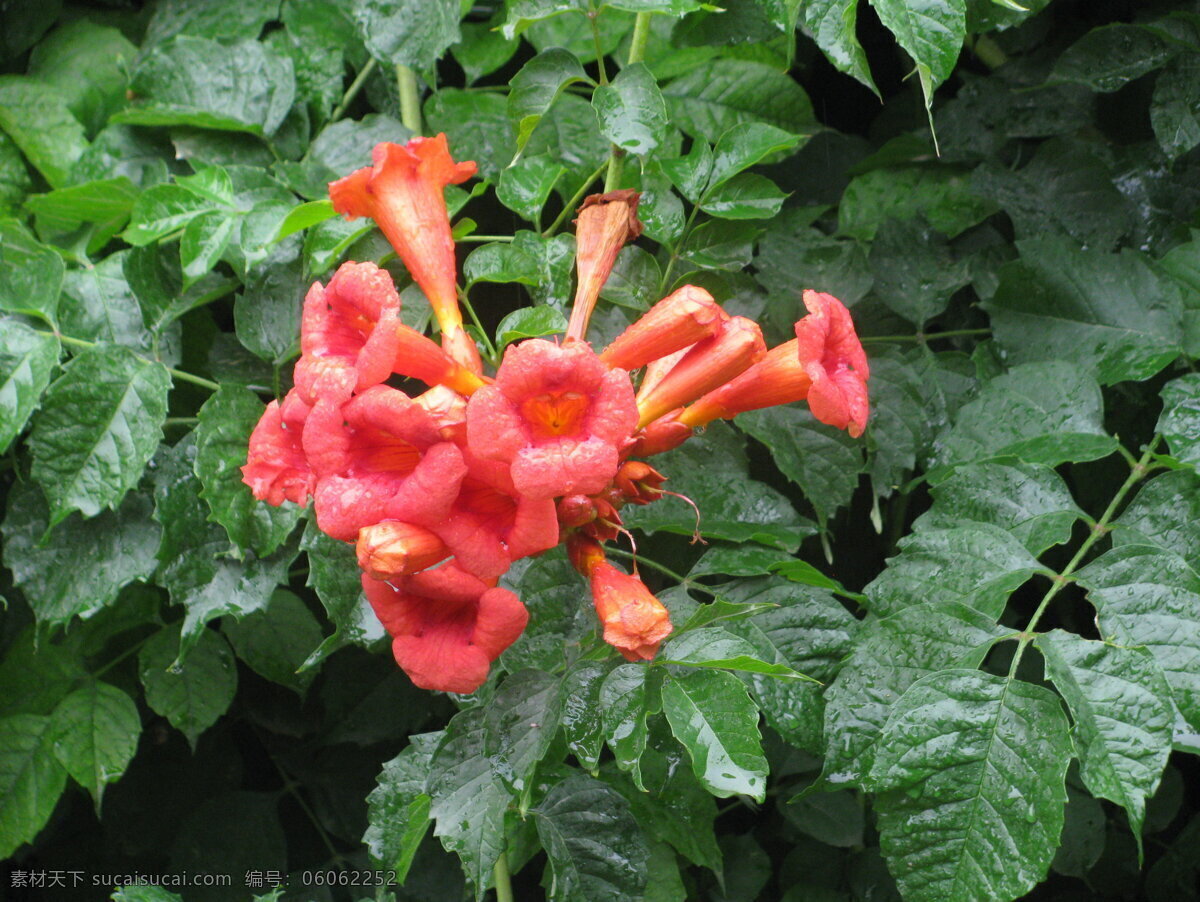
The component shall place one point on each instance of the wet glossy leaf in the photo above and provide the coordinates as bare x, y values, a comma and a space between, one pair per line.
595, 847
914, 269
625, 701
1180, 420
483, 49
1121, 320
88, 63
744, 196
27, 360
407, 32
266, 314
712, 99
537, 85
721, 244
634, 279
477, 126
226, 420
80, 566
100, 423
39, 120
95, 735
276, 641
714, 718
98, 305
1121, 706
31, 779
581, 713
1042, 413
15, 182
204, 241
715, 648
194, 694
832, 24
398, 807
732, 506
889, 656
978, 817
631, 110
522, 718
468, 800
526, 185
31, 273
156, 280
932, 32
1173, 110
1111, 56
941, 194
500, 262
106, 202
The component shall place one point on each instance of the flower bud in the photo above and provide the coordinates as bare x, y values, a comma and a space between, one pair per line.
391, 549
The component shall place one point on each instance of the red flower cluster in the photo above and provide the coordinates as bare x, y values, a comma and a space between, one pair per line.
441, 492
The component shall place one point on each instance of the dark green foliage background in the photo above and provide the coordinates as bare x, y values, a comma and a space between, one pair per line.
996, 587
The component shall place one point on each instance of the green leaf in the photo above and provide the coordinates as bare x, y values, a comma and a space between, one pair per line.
31, 273
721, 245
537, 85
889, 656
1146, 589
1043, 413
500, 262
941, 194
631, 110
88, 63
1121, 320
468, 800
906, 418
932, 32
1109, 57
833, 818
523, 13
974, 563
333, 573
978, 817
156, 280
714, 648
732, 505
594, 845
15, 181
714, 718
832, 24
915, 271
80, 566
267, 313
36, 675
245, 86
340, 148
39, 121
714, 98
26, 23
625, 700
739, 560
1030, 501
744, 196
95, 734
228, 20
477, 126
98, 305
581, 712
833, 265
634, 279
305, 216
823, 461
411, 33
326, 242
1179, 422
194, 694
226, 421
398, 807
1174, 106
100, 423
144, 893
161, 210
483, 48
1121, 706
106, 202
525, 186
31, 779
522, 718
744, 145
27, 361
204, 241
277, 640
529, 322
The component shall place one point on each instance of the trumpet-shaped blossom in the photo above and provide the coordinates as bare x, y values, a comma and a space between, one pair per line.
634, 622
402, 192
447, 626
556, 415
348, 339
276, 468
679, 320
379, 456
831, 354
606, 222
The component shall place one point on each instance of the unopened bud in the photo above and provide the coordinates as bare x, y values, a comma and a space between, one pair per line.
392, 548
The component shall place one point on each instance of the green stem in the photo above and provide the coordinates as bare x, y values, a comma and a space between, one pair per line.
352, 91
923, 337
504, 891
410, 99
178, 374
641, 34
483, 238
569, 207
664, 570
1099, 530
677, 248
181, 421
466, 302
593, 15
637, 52
132, 650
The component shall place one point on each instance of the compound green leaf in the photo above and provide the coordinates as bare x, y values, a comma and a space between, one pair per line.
1121, 320
27, 360
1179, 423
193, 694
715, 719
626, 697
889, 656
468, 800
226, 420
715, 648
595, 848
522, 718
581, 714
95, 735
1124, 719
80, 566
31, 779
398, 807
99, 425
1042, 413
978, 817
